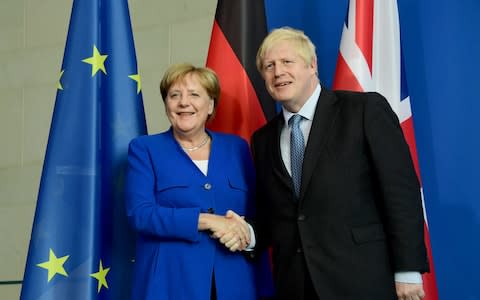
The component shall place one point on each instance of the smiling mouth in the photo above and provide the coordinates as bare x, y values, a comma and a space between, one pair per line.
185, 113
282, 84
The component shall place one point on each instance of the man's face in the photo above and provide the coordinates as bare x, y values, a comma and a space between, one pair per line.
288, 78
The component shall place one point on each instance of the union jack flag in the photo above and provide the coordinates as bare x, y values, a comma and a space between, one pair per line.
370, 59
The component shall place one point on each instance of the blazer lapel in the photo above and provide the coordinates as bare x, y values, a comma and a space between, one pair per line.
323, 120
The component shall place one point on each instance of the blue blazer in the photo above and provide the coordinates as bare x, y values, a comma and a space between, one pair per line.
165, 193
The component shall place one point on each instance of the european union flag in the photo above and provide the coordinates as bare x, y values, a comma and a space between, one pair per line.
81, 245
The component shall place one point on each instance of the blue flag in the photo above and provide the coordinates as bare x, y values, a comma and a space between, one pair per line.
81, 246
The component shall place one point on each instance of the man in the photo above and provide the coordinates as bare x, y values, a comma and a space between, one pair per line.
341, 205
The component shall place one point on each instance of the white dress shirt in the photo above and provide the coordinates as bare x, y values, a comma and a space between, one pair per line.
307, 112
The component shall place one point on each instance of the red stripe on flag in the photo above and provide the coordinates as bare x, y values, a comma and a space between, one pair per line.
409, 133
364, 29
344, 78
429, 281
239, 111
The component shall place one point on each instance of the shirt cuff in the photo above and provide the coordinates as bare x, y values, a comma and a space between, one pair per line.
252, 239
408, 277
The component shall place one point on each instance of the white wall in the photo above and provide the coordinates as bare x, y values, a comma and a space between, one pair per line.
32, 41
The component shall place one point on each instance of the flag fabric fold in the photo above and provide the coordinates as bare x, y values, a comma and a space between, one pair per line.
370, 59
81, 246
238, 30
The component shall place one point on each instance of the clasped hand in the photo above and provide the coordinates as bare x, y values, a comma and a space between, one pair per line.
231, 230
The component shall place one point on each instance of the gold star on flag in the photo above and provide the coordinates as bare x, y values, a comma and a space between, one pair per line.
101, 276
97, 61
59, 83
136, 77
54, 265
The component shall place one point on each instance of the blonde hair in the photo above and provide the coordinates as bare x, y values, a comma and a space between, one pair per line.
302, 44
206, 77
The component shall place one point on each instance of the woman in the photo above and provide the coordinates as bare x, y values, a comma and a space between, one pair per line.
186, 189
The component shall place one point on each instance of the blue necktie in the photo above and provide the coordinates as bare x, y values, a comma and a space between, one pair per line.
297, 148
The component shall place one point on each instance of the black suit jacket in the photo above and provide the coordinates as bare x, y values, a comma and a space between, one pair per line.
359, 217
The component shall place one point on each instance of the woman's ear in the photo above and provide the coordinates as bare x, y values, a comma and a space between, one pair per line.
211, 106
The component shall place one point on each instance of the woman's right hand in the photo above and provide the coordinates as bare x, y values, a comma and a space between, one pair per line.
231, 230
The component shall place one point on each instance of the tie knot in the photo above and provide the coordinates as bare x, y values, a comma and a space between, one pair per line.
294, 120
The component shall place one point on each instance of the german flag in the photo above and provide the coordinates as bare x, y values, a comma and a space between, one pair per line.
238, 30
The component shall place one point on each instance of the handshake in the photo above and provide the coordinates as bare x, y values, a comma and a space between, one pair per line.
231, 230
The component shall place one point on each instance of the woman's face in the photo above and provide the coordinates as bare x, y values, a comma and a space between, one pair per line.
188, 106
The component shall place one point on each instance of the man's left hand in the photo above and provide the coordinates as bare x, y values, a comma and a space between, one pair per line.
409, 291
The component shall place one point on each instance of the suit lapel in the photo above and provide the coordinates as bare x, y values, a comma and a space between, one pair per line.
323, 120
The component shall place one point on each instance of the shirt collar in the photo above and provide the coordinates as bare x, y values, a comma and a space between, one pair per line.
308, 109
